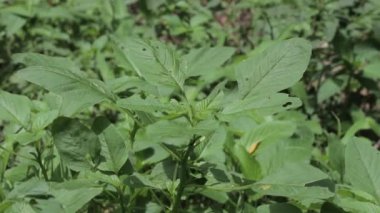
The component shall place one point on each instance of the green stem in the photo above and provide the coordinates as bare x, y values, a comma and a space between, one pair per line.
183, 175
121, 200
39, 161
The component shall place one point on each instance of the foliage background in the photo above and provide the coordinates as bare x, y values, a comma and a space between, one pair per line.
339, 91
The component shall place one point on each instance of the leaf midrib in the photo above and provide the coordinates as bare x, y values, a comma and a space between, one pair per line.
265, 74
78, 79
367, 173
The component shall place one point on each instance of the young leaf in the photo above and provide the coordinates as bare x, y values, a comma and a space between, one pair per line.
15, 108
76, 144
248, 164
276, 68
155, 62
76, 89
205, 60
363, 167
114, 147
212, 150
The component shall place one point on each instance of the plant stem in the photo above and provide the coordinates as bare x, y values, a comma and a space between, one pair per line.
121, 200
43, 169
183, 175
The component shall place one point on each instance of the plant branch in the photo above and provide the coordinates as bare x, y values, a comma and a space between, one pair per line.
39, 161
183, 174
121, 200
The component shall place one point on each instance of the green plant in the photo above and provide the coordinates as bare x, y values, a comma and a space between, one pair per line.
121, 124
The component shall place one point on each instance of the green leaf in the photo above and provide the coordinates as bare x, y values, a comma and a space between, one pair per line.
174, 132
248, 164
76, 89
276, 153
278, 208
291, 180
114, 146
15, 108
264, 132
205, 60
150, 104
137, 180
48, 205
363, 168
76, 144
336, 153
353, 205
155, 62
212, 149
32, 187
327, 89
275, 69
372, 70
20, 207
262, 104
74, 194
300, 174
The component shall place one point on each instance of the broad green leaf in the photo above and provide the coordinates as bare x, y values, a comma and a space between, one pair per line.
264, 132
278, 208
276, 68
301, 174
175, 132
132, 84
291, 180
262, 104
218, 178
32, 187
220, 197
353, 205
76, 144
43, 119
327, 89
350, 192
74, 194
205, 60
212, 150
20, 207
105, 71
139, 180
363, 168
76, 89
336, 154
248, 164
276, 153
113, 144
172, 132
155, 62
48, 205
150, 104
15, 108
98, 176
372, 70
